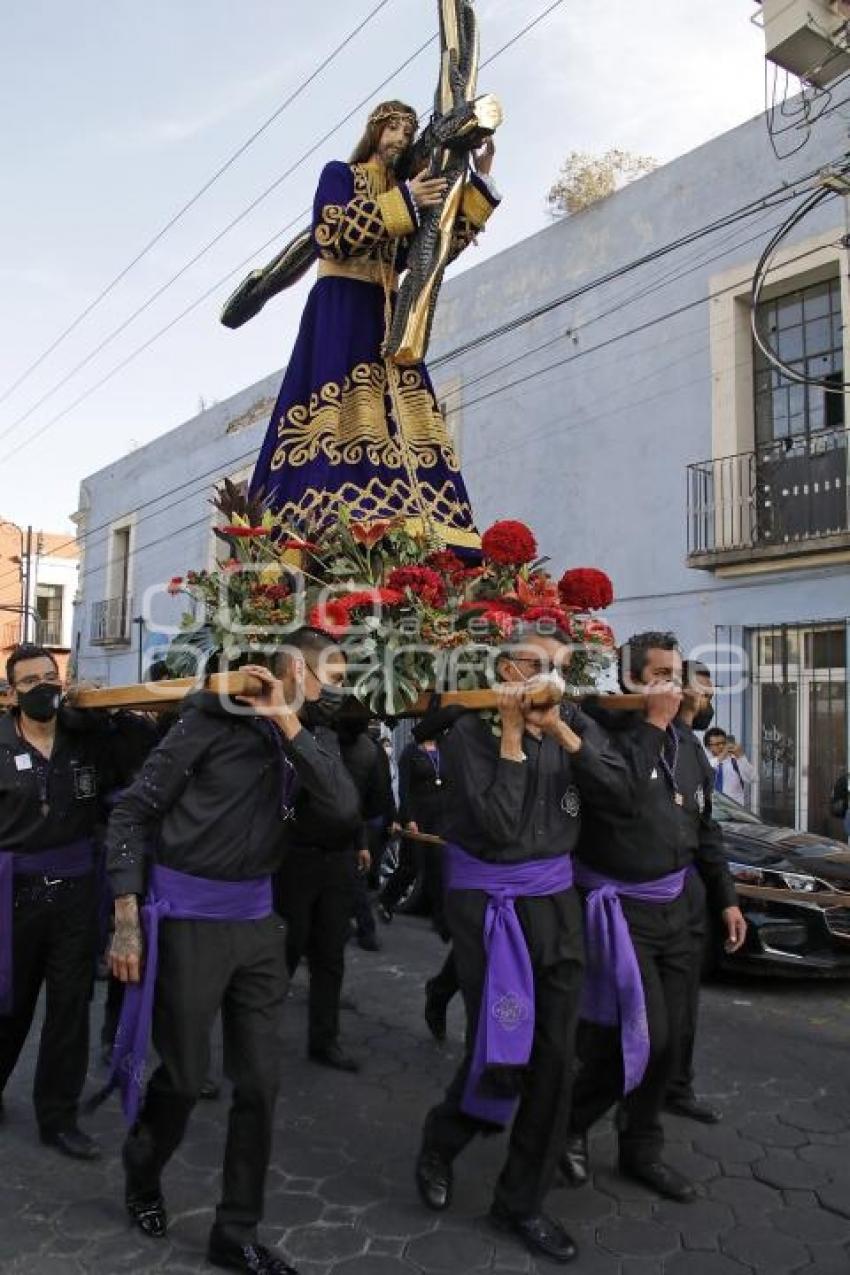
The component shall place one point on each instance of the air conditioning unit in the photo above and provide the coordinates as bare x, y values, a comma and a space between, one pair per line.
810, 38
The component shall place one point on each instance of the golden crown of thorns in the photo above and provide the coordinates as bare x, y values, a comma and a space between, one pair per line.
383, 115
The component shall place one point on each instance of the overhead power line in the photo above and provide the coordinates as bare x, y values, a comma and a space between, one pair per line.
264, 194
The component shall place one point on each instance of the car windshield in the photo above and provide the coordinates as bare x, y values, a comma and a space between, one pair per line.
725, 810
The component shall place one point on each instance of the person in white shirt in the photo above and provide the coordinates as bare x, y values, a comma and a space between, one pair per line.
733, 772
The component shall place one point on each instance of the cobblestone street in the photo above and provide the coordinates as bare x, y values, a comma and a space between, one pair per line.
774, 1178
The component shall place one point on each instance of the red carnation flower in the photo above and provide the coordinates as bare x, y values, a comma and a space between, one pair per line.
446, 562
494, 606
423, 582
586, 589
550, 615
175, 585
509, 543
331, 617
370, 598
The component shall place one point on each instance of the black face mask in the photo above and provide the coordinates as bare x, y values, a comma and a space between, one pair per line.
41, 704
325, 710
703, 718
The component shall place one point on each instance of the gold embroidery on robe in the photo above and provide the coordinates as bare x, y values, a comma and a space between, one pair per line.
351, 422
379, 499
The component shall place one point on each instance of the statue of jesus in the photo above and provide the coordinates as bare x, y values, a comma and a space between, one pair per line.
349, 426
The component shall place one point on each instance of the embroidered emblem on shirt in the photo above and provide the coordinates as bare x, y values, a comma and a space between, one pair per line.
85, 782
571, 802
510, 1011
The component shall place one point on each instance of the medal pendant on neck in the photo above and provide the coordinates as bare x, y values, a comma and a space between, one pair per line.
438, 783
678, 798
45, 809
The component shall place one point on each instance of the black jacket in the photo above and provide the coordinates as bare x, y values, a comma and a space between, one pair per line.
508, 811
659, 836
94, 753
369, 767
211, 799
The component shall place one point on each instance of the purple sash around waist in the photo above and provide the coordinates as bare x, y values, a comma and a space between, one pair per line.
505, 1029
172, 896
613, 988
56, 864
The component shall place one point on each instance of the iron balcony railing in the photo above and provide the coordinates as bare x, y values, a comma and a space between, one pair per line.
110, 622
792, 493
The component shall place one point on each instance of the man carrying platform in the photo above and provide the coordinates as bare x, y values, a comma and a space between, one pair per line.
200, 833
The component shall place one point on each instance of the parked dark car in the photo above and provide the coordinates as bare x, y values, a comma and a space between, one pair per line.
793, 935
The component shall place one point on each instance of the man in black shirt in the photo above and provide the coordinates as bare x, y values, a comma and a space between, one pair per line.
56, 767
203, 828
632, 871
696, 713
511, 819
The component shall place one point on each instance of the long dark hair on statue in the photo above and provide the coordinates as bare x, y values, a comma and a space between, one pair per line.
378, 120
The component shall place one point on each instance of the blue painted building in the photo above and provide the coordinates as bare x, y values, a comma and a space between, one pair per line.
622, 411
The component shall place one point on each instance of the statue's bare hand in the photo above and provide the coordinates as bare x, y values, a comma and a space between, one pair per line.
426, 192
125, 950
483, 157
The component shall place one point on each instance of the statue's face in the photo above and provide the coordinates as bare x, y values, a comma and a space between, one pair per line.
394, 140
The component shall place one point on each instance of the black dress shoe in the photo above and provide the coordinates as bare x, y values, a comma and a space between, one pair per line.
435, 1013
147, 1212
385, 913
661, 1179
369, 942
539, 1233
250, 1257
692, 1109
434, 1180
332, 1056
574, 1162
209, 1090
72, 1142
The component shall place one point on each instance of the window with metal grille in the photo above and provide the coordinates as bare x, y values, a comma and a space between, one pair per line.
805, 329
48, 604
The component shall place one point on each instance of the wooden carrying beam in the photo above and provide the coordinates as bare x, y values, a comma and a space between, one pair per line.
160, 696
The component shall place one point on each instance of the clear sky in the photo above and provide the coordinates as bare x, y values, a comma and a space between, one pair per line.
116, 113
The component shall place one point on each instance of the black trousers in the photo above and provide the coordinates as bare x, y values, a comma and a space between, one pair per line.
662, 944
54, 941
237, 967
445, 984
553, 931
361, 907
315, 897
682, 1079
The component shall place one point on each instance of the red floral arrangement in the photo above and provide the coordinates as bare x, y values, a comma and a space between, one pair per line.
509, 543
586, 589
423, 582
